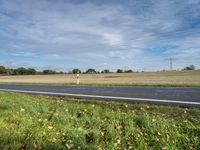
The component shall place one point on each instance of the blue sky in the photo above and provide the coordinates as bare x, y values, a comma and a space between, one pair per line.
127, 34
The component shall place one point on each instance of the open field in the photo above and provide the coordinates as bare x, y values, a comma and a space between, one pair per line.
41, 122
175, 78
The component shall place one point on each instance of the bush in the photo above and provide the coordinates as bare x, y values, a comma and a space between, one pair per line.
119, 71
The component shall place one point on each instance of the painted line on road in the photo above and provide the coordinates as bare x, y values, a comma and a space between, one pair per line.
102, 97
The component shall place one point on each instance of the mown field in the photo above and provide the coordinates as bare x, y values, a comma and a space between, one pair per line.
174, 78
41, 122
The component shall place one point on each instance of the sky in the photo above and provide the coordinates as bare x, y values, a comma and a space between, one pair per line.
101, 34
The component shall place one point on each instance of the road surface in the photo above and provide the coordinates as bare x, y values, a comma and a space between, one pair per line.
157, 95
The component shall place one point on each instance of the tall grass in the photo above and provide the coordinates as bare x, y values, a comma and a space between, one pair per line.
41, 122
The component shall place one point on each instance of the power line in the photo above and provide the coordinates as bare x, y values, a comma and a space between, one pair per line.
171, 62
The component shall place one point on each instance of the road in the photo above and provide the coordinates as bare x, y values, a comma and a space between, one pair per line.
157, 95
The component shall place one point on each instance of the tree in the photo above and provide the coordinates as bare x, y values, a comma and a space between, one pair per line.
191, 67
2, 70
76, 71
20, 71
105, 71
48, 71
10, 72
128, 71
30, 71
91, 71
119, 71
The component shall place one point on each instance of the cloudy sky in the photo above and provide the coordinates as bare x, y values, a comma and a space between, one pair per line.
127, 34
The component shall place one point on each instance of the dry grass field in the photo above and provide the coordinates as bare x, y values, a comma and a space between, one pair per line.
174, 78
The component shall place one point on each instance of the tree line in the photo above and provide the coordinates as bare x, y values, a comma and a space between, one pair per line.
32, 71
25, 71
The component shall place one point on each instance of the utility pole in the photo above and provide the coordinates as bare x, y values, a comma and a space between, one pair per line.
171, 67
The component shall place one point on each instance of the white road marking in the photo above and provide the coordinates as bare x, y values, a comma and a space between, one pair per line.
103, 97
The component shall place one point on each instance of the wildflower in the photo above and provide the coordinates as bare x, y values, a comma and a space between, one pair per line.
50, 127
153, 120
102, 133
69, 146
130, 147
80, 129
159, 133
40, 120
93, 105
118, 141
54, 140
22, 109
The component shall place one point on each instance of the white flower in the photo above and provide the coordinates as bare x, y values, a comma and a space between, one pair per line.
22, 109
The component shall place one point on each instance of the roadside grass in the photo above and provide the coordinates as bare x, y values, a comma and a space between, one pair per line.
43, 122
163, 79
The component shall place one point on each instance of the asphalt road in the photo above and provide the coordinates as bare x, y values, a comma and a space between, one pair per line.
156, 95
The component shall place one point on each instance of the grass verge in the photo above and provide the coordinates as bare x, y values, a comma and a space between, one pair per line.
41, 122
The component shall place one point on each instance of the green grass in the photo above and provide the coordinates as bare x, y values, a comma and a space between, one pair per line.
41, 122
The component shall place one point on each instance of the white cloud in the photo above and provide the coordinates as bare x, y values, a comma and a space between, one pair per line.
88, 31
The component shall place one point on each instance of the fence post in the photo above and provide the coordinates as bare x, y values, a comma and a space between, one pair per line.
77, 79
